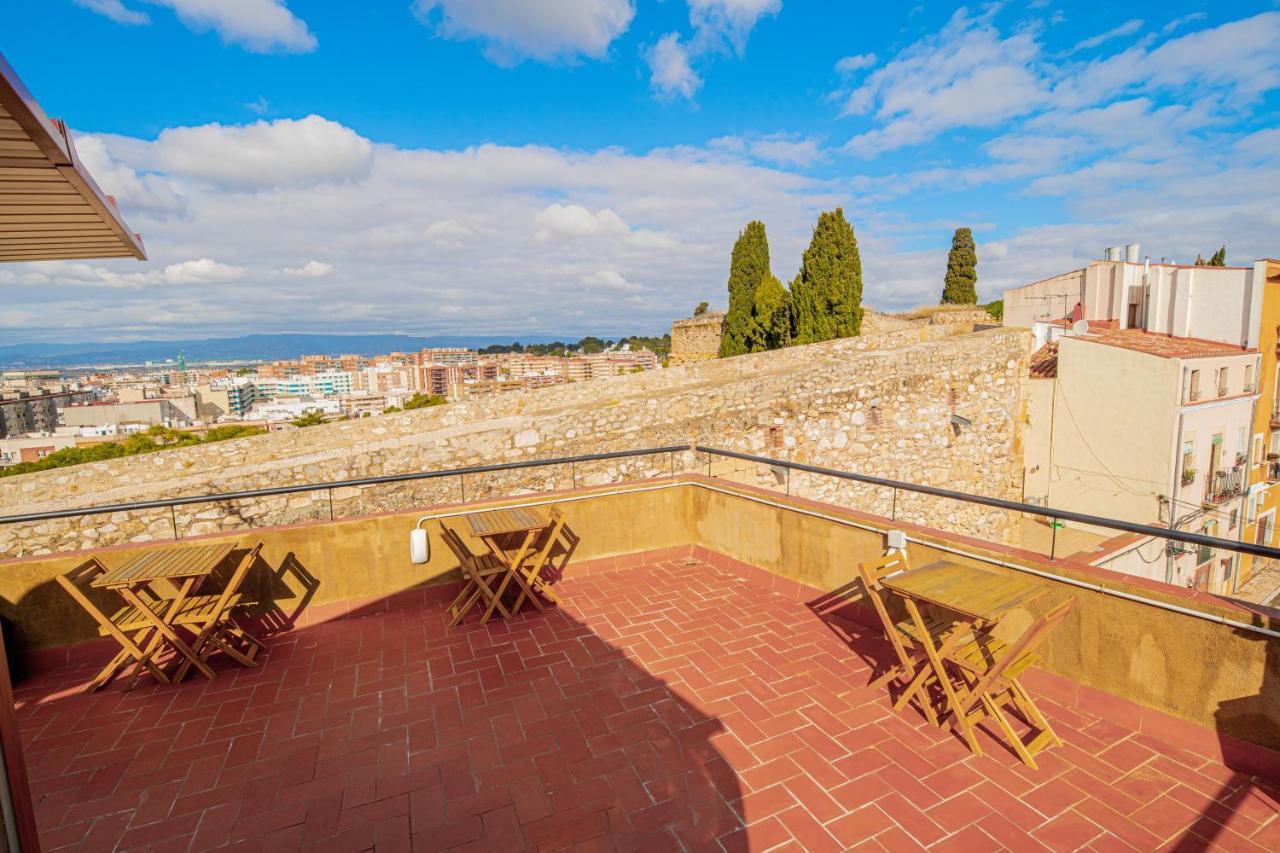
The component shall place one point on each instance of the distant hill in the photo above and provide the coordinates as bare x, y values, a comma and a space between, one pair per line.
246, 347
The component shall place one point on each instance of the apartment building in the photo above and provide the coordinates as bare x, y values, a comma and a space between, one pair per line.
1144, 404
26, 412
1263, 491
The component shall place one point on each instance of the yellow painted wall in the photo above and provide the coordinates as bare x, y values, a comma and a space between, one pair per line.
1268, 498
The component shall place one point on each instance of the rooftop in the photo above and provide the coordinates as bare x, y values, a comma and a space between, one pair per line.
1163, 346
671, 700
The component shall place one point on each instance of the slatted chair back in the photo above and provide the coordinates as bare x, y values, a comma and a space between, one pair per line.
871, 574
467, 560
1000, 660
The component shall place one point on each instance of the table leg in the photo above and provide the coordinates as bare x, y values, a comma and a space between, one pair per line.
163, 628
935, 659
153, 646
512, 568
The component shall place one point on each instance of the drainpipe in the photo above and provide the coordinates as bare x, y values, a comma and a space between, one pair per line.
1177, 487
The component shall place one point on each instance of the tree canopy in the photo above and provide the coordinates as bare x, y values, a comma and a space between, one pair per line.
424, 401
960, 286
748, 266
156, 438
826, 295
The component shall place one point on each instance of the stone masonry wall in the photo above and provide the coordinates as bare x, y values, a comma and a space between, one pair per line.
878, 404
696, 339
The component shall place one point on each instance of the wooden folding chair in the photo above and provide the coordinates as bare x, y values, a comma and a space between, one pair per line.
211, 619
479, 573
989, 670
913, 672
553, 535
128, 634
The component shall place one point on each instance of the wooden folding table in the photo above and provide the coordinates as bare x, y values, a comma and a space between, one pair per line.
982, 597
511, 535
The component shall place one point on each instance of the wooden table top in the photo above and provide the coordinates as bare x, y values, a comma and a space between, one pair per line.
183, 561
499, 521
974, 592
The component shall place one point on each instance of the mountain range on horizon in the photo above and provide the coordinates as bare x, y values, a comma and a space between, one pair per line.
244, 347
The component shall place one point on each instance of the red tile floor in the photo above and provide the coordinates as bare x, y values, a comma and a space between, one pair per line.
662, 707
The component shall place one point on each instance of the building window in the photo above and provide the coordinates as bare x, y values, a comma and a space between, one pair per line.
1222, 381
1248, 379
1234, 520
1194, 389
1188, 462
1257, 447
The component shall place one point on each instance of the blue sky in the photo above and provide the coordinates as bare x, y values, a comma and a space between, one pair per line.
577, 166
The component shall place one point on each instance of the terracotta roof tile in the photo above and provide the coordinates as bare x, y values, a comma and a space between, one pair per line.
1163, 346
1044, 361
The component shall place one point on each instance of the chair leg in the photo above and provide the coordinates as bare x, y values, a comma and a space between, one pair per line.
1028, 708
993, 710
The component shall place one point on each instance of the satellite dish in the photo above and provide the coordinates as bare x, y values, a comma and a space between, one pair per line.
1080, 327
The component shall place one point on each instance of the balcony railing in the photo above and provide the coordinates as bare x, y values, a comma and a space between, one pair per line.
1273, 471
1222, 486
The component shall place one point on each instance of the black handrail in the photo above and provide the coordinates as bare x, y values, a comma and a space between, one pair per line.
338, 484
982, 500
1015, 506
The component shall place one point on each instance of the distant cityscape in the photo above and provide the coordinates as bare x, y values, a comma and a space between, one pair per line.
43, 411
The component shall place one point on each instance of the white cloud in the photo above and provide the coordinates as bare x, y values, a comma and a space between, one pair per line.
670, 73
571, 221
611, 280
718, 26
732, 20
1128, 28
850, 64
116, 11
261, 106
148, 194
257, 25
195, 272
311, 269
547, 30
1183, 21
264, 154
968, 75
487, 239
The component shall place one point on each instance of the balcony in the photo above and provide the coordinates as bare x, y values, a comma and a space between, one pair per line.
704, 684
1223, 486
1273, 470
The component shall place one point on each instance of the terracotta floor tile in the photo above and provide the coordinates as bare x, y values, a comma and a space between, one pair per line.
659, 706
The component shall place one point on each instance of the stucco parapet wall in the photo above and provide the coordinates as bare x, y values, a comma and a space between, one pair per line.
818, 397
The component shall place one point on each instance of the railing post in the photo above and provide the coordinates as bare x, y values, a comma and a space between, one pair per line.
672, 454
1053, 540
573, 472
173, 517
893, 511
462, 483
331, 503
788, 470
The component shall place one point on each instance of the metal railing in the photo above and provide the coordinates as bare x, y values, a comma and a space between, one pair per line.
1222, 486
1001, 503
783, 465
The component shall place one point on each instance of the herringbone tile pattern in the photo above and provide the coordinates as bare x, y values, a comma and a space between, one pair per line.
664, 706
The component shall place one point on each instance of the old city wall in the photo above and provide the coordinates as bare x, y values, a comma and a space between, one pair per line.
879, 404
696, 339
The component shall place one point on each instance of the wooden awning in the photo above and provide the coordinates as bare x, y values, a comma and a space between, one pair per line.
50, 207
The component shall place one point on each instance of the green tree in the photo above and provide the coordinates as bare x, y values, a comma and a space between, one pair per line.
424, 401
826, 295
960, 287
771, 316
701, 309
591, 345
996, 309
748, 266
315, 417
1219, 258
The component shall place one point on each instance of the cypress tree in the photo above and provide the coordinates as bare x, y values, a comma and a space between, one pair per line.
748, 266
772, 316
1219, 258
961, 283
826, 295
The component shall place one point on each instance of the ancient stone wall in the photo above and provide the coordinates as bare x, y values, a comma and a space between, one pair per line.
878, 404
696, 339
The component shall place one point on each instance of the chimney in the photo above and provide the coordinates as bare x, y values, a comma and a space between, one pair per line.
1132, 253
